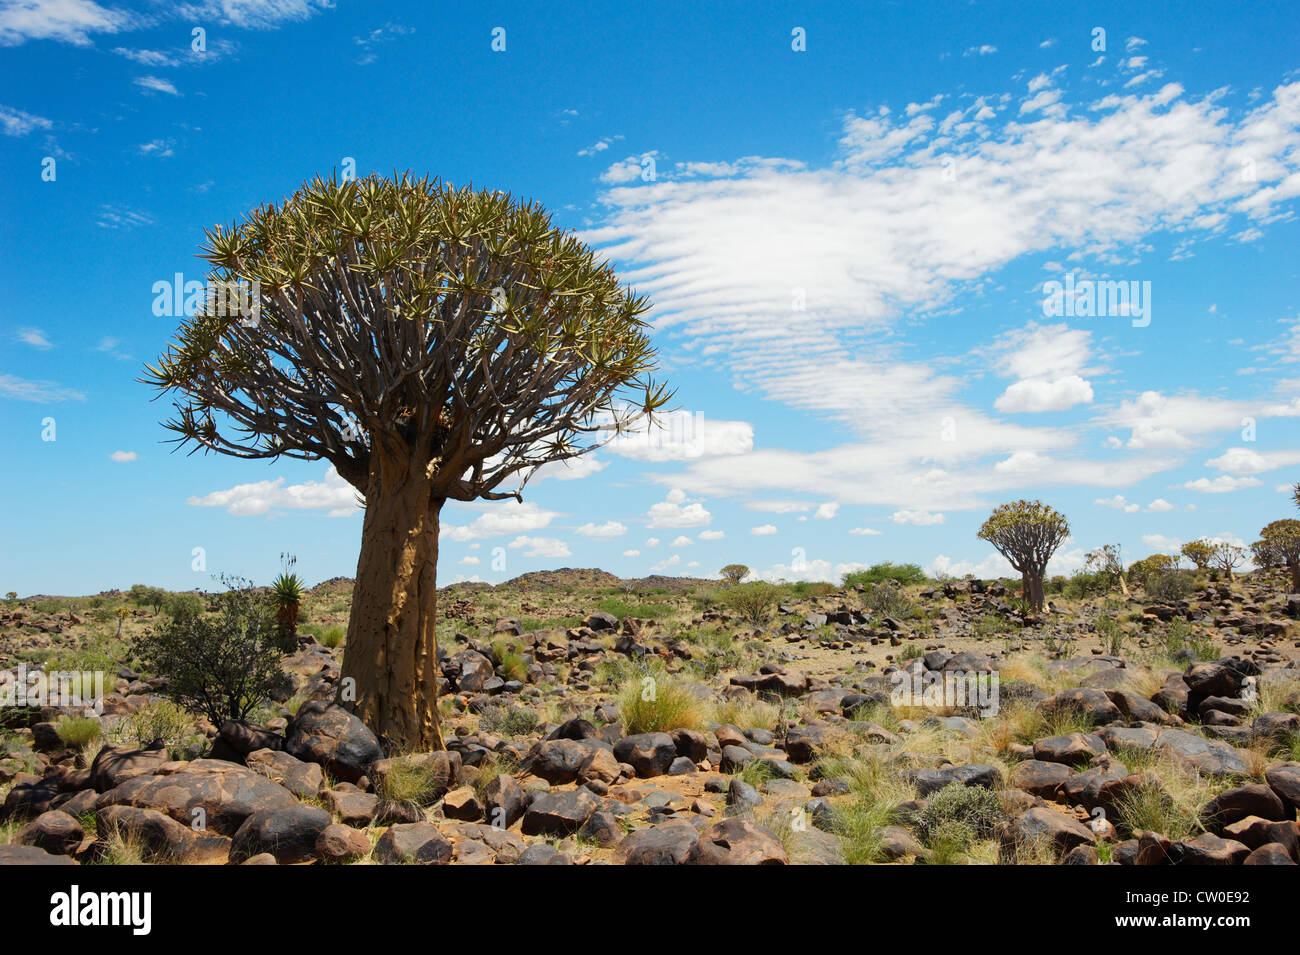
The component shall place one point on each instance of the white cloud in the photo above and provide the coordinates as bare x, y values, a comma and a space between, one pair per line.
1119, 503
66, 21
333, 495
157, 84
551, 547
652, 542
1241, 461
1160, 504
665, 564
763, 530
606, 531
919, 518
683, 436
497, 519
469, 561
676, 511
712, 535
681, 540
1040, 394
570, 469
866, 531
14, 122
1163, 544
631, 553
121, 457
41, 392
827, 511
1221, 484
33, 337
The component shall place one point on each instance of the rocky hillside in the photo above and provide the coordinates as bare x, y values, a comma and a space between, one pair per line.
688, 727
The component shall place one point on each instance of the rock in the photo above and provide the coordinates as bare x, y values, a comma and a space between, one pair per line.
1073, 749
600, 620
340, 843
161, 838
352, 806
602, 828
1236, 804
691, 744
245, 739
559, 813
896, 842
650, 754
1208, 756
1094, 704
503, 801
1039, 777
742, 797
304, 780
1080, 855
418, 843
289, 833
1254, 832
737, 842
667, 844
1173, 696
1036, 825
1211, 679
1269, 854
54, 831
332, 737
929, 781
471, 671
559, 761
1135, 708
1209, 849
30, 855
1285, 781
463, 804
225, 793
803, 744
29, 797
113, 766
542, 854
389, 812
1276, 728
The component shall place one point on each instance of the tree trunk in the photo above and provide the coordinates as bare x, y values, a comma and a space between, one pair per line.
1294, 567
392, 643
1031, 584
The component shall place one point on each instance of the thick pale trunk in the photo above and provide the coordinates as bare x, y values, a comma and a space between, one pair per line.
1294, 568
1032, 584
392, 646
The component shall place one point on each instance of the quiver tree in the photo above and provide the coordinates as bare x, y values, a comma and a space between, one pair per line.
734, 573
1279, 546
1199, 552
432, 344
1027, 533
1227, 556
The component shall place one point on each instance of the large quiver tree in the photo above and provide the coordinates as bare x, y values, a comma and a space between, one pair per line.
1279, 546
1027, 533
432, 344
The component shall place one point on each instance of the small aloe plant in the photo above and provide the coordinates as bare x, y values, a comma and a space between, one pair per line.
288, 589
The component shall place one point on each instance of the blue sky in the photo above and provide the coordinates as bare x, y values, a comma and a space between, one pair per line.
847, 246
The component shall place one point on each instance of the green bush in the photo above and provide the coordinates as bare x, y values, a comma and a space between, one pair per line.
77, 731
752, 601
903, 574
955, 808
224, 664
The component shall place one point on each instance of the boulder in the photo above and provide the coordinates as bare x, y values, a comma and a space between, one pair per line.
736, 842
215, 793
559, 813
667, 844
304, 780
113, 766
333, 738
650, 754
418, 843
161, 838
54, 831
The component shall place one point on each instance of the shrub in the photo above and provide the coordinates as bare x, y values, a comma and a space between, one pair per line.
734, 573
509, 720
77, 731
651, 701
957, 810
159, 720
222, 665
753, 601
183, 605
902, 574
1168, 585
887, 600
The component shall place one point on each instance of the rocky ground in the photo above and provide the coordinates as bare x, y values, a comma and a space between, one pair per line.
591, 720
